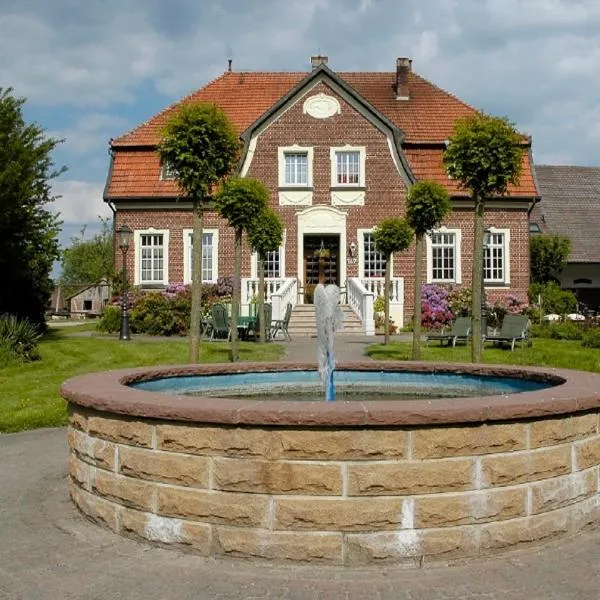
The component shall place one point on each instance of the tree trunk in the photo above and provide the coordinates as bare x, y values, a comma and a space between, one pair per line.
261, 299
196, 310
477, 281
386, 297
236, 297
416, 346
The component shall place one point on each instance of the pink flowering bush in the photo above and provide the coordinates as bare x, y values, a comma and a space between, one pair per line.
435, 307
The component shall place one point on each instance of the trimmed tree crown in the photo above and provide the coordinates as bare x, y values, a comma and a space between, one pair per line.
201, 146
484, 154
427, 204
266, 233
393, 235
242, 200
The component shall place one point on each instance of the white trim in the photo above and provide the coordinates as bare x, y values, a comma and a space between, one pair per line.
249, 156
324, 220
295, 149
362, 158
254, 262
187, 262
457, 256
164, 174
137, 280
506, 257
295, 197
360, 233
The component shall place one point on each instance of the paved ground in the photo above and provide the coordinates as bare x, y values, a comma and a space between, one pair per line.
49, 551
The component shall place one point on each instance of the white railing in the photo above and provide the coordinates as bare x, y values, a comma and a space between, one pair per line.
376, 285
274, 288
286, 294
360, 300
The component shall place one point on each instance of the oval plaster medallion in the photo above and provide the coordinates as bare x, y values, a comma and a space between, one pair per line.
322, 106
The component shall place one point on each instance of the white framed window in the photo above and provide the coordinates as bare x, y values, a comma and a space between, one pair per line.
274, 263
372, 263
496, 257
444, 256
348, 166
151, 257
295, 166
210, 258
167, 173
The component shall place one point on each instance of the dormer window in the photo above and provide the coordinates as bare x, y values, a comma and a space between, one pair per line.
167, 173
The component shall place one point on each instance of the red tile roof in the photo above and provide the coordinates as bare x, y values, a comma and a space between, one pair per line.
428, 116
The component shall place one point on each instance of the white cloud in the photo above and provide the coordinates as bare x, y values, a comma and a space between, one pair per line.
80, 201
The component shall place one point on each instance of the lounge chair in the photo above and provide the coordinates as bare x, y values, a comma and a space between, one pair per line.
282, 324
220, 327
515, 328
461, 331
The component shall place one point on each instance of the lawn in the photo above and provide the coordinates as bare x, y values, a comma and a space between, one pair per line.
30, 393
544, 353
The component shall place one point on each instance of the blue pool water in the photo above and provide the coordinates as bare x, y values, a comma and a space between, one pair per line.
350, 385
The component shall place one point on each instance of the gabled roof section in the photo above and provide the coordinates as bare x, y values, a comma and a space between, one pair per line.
245, 96
570, 206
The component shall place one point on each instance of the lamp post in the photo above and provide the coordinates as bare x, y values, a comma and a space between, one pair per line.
124, 234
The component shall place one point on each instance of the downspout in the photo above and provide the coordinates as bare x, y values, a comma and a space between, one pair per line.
106, 198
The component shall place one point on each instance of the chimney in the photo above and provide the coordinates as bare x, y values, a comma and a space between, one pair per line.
403, 68
317, 61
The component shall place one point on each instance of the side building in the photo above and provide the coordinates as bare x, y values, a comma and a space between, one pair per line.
338, 152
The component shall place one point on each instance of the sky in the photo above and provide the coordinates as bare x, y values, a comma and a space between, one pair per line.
93, 70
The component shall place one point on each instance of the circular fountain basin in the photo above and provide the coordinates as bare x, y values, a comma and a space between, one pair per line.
399, 480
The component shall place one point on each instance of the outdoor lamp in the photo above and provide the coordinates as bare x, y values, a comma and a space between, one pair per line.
353, 248
124, 234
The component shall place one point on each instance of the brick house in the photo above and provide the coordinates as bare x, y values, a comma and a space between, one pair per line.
338, 152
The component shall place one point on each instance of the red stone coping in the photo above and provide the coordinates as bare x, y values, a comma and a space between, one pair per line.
574, 391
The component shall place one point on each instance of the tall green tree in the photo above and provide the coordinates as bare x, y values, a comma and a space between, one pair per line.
484, 156
266, 235
88, 261
391, 235
241, 201
201, 147
548, 257
427, 204
28, 230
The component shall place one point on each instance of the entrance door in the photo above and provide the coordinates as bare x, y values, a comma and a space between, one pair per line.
321, 262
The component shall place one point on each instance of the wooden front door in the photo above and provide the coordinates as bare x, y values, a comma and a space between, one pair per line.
321, 262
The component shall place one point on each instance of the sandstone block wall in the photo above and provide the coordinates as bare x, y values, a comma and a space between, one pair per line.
339, 496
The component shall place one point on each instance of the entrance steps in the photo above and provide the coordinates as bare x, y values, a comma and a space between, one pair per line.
303, 322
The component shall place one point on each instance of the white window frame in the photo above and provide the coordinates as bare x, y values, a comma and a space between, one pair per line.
362, 164
254, 263
187, 256
166, 174
360, 234
281, 152
457, 256
138, 233
497, 283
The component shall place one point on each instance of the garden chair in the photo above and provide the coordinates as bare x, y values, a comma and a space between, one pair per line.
515, 328
461, 331
282, 324
267, 328
220, 326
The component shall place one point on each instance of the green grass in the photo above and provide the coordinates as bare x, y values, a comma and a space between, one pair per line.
544, 353
30, 392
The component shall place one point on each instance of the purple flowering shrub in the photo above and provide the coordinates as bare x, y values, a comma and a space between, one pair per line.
435, 307
497, 311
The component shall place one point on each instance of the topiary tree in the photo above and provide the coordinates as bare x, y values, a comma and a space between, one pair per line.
266, 235
241, 201
548, 256
391, 235
484, 156
201, 146
426, 205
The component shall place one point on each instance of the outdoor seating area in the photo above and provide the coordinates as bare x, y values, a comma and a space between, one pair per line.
460, 332
515, 328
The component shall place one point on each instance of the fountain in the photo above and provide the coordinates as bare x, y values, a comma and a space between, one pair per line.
329, 318
214, 459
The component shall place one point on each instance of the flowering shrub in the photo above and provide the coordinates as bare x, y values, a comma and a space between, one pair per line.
435, 308
460, 300
497, 311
